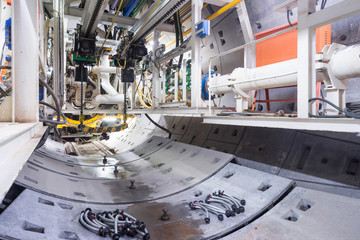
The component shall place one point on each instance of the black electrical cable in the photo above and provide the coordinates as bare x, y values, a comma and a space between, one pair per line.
156, 124
181, 38
125, 115
54, 108
347, 114
2, 53
289, 13
353, 107
323, 4
43, 139
52, 93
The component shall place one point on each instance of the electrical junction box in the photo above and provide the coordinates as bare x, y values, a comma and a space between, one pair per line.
203, 29
127, 75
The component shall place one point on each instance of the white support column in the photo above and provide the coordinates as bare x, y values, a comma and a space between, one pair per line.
176, 86
184, 91
306, 57
156, 92
162, 88
58, 41
196, 6
25, 65
249, 52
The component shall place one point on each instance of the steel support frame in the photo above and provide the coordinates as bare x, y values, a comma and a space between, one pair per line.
156, 93
306, 58
107, 18
59, 53
25, 39
308, 21
196, 6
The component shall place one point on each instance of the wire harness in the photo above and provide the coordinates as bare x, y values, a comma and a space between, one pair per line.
226, 205
114, 224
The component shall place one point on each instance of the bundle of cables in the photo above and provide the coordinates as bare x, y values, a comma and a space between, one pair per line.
179, 34
113, 224
352, 110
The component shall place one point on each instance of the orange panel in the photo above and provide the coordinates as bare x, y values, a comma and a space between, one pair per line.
284, 46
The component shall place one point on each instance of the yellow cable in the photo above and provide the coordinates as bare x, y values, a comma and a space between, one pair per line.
140, 27
122, 67
112, 24
140, 97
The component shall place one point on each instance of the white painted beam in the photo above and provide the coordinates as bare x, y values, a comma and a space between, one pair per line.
25, 64
196, 6
334, 13
17, 142
333, 125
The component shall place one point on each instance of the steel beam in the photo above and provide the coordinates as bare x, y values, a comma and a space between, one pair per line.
306, 58
333, 125
331, 14
196, 7
107, 18
92, 14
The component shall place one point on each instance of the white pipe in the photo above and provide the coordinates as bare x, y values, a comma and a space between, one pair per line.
275, 75
345, 62
109, 99
113, 97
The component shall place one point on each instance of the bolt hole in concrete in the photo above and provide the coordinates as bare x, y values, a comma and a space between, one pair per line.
194, 154
46, 202
291, 216
68, 235
197, 193
182, 151
28, 226
353, 167
216, 160
65, 206
229, 174
264, 187
305, 204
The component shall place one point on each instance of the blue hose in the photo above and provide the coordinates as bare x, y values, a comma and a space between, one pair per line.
130, 7
204, 90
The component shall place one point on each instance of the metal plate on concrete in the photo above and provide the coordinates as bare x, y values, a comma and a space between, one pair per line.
57, 216
306, 214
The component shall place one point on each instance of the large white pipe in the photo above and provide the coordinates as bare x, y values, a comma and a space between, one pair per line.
109, 99
270, 76
112, 96
345, 62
